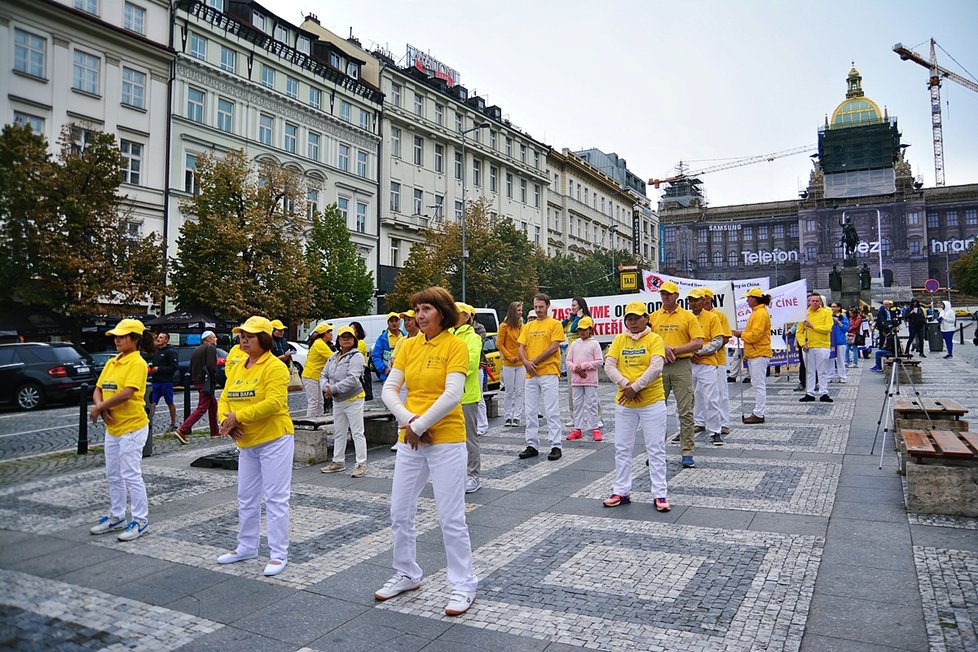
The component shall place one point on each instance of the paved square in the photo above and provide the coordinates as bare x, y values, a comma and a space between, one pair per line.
948, 581
784, 486
330, 530
625, 585
43, 614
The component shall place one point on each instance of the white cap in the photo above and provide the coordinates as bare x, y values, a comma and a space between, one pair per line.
207, 334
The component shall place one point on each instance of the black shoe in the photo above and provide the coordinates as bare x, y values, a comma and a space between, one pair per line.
509, 422
825, 398
807, 398
676, 439
922, 355
529, 452
554, 454
717, 440
800, 388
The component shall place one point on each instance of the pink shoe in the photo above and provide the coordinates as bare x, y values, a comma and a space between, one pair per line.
574, 434
596, 436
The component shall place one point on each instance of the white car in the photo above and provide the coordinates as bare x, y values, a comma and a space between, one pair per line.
299, 353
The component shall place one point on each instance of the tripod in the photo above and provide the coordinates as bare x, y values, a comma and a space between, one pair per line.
893, 389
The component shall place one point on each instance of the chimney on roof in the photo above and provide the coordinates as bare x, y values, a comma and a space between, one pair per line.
313, 17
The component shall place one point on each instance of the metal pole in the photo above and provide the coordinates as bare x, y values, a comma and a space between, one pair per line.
879, 237
186, 396
947, 272
83, 420
463, 216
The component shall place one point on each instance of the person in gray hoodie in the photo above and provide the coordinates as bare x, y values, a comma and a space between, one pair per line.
340, 380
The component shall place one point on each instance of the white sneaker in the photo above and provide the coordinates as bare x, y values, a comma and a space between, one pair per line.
394, 447
472, 484
842, 380
459, 603
396, 586
272, 568
108, 524
133, 531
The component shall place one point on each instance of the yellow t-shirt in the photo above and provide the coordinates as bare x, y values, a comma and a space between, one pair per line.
129, 370
362, 348
633, 359
536, 337
725, 331
819, 335
235, 357
425, 364
400, 342
259, 397
676, 328
757, 334
319, 353
710, 324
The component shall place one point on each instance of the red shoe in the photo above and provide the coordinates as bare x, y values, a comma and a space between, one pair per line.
575, 434
662, 505
596, 436
614, 500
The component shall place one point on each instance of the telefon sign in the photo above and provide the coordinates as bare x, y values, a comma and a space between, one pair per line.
764, 257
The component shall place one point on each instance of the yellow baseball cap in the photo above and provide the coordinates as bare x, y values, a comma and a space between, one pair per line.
637, 308
753, 292
707, 292
127, 326
408, 314
696, 293
393, 315
323, 327
278, 325
464, 307
254, 324
669, 287
585, 322
346, 330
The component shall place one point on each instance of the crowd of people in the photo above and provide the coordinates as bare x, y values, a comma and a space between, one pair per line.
433, 377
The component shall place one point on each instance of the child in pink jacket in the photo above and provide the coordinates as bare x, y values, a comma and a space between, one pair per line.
583, 359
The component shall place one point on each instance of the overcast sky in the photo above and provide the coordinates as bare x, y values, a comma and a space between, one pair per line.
659, 82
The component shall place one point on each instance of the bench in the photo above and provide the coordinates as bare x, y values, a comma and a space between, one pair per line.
313, 435
911, 369
941, 468
914, 408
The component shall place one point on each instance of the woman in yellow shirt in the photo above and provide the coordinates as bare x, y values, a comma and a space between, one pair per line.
513, 374
757, 350
433, 366
634, 363
254, 412
320, 350
119, 399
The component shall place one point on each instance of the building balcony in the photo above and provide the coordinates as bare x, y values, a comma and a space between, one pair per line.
406, 221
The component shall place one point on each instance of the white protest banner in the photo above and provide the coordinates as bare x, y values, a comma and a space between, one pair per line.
607, 313
723, 293
788, 304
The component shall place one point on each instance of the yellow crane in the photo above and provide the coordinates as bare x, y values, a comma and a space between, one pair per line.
937, 74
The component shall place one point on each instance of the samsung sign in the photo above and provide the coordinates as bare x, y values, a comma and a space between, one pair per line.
766, 257
951, 246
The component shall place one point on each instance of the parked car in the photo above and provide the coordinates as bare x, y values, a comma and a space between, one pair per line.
299, 353
184, 353
495, 360
100, 359
33, 374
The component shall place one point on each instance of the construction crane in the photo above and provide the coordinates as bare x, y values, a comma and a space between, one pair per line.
683, 173
937, 73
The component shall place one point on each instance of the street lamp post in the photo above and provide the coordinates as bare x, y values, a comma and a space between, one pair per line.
611, 232
465, 253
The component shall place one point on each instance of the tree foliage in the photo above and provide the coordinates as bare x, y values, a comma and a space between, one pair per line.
501, 265
64, 244
965, 272
563, 276
342, 286
240, 253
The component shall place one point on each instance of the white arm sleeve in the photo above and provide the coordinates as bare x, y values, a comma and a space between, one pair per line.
392, 397
651, 373
611, 369
454, 384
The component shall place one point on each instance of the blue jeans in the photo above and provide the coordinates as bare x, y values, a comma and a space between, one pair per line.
852, 351
880, 354
949, 341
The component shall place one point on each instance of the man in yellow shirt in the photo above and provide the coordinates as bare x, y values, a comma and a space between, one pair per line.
539, 352
814, 337
705, 361
757, 350
721, 370
682, 336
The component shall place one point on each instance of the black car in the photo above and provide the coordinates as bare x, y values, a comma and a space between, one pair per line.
32, 374
184, 353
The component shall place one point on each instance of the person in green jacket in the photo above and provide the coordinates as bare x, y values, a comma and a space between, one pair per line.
471, 395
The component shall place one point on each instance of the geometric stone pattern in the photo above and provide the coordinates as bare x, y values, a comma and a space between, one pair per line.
783, 486
67, 501
330, 530
948, 581
941, 520
43, 614
609, 584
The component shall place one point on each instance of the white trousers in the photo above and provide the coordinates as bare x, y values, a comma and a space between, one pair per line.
758, 383
585, 407
482, 417
652, 420
724, 388
473, 466
123, 470
265, 471
817, 362
314, 398
837, 367
706, 397
445, 465
542, 390
348, 418
513, 381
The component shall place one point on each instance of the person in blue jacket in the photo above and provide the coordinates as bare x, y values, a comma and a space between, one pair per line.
840, 326
384, 346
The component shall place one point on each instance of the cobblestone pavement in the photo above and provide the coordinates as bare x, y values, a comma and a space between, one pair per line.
788, 537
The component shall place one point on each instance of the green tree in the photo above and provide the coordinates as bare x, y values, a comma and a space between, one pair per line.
564, 276
63, 235
240, 252
501, 266
965, 272
342, 286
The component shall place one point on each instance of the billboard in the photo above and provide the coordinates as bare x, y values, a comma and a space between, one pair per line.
428, 64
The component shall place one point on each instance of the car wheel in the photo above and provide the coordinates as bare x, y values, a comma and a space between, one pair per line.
30, 396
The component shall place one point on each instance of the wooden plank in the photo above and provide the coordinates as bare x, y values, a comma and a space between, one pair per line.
971, 438
917, 442
950, 445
